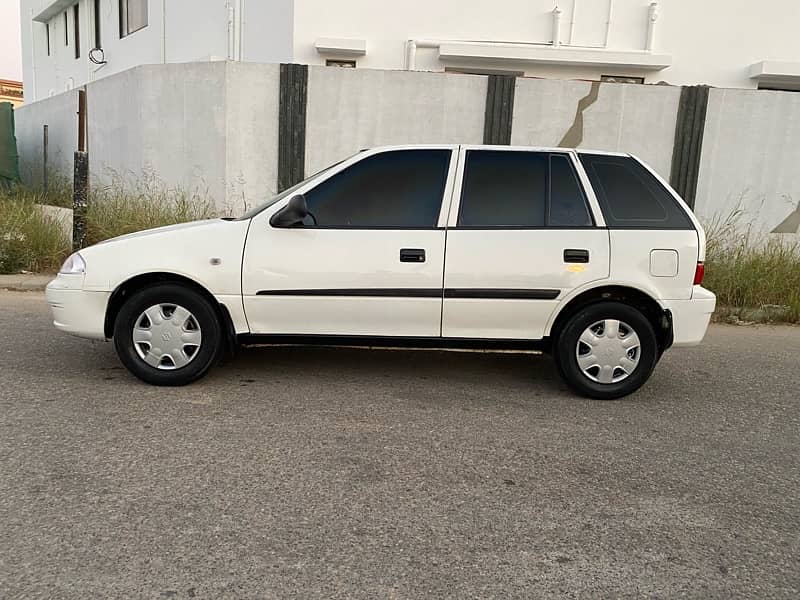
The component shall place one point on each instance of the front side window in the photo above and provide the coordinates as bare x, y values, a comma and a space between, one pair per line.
629, 195
521, 189
395, 189
132, 16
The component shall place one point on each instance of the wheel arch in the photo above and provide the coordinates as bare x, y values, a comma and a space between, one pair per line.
138, 282
659, 317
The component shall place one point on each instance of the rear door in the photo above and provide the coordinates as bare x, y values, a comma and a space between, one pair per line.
654, 241
522, 233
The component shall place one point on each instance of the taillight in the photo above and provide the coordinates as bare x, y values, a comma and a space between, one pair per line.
699, 273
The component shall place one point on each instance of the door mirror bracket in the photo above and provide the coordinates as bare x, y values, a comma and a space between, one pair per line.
291, 215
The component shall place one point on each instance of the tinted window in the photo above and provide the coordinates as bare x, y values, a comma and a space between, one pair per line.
503, 189
630, 196
520, 189
567, 205
403, 188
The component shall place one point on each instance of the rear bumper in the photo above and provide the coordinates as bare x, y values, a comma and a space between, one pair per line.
690, 318
76, 311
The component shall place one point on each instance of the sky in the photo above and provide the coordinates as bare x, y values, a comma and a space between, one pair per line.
10, 45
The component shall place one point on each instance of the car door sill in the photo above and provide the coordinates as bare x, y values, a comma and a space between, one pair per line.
437, 342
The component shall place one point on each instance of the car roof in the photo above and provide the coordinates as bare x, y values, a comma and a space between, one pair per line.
497, 147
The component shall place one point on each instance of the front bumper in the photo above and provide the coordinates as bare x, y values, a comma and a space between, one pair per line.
76, 311
690, 317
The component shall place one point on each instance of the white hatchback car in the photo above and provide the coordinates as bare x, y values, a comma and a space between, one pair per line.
590, 256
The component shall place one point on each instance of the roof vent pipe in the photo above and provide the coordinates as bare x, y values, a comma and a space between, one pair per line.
557, 12
652, 17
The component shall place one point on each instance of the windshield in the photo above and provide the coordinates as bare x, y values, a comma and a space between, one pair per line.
288, 192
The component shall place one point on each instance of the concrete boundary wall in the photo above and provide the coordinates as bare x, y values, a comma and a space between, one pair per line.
639, 119
251, 135
750, 158
352, 109
213, 128
60, 113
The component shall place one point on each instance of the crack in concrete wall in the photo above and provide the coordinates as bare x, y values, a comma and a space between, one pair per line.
574, 135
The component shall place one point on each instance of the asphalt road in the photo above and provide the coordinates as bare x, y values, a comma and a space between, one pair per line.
323, 473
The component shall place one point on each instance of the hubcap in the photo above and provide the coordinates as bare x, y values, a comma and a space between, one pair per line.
608, 351
167, 336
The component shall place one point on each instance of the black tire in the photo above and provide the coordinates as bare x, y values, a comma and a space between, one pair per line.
204, 315
566, 347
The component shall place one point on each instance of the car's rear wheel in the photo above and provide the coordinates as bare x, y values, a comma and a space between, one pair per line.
167, 334
606, 350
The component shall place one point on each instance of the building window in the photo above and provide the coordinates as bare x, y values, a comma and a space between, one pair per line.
66, 29
621, 79
132, 16
97, 41
345, 64
47, 35
76, 26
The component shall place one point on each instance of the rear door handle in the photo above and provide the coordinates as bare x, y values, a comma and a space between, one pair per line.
413, 255
574, 255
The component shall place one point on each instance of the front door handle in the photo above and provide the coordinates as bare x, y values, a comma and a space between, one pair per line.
574, 255
413, 255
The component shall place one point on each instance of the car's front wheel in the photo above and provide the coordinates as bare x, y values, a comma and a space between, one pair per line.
606, 350
167, 334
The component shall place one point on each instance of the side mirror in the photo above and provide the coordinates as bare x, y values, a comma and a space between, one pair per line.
292, 214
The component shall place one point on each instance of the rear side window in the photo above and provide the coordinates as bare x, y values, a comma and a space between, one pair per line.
521, 189
396, 189
630, 196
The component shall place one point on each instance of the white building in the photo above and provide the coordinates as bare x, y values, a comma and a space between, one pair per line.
724, 43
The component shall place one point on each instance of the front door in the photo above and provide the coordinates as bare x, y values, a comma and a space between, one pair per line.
521, 236
369, 261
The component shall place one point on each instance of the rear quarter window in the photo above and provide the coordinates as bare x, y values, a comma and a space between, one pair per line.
630, 197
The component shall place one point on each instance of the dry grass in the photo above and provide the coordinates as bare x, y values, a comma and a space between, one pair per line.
755, 277
29, 240
134, 204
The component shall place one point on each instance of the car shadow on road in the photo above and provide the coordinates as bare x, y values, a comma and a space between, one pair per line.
348, 364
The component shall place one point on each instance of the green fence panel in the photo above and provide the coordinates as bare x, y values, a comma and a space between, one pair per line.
9, 160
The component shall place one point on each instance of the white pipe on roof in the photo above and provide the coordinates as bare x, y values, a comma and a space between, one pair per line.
652, 17
608, 22
557, 12
572, 21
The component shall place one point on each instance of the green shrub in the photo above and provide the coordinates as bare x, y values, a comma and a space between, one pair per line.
753, 273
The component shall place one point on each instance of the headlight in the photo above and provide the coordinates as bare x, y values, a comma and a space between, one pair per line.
73, 265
